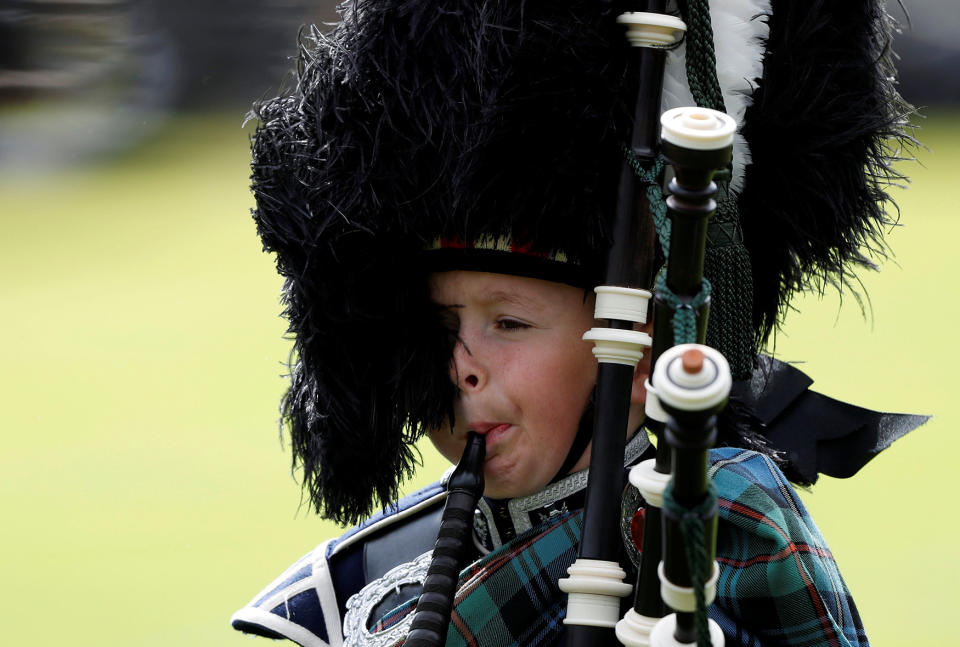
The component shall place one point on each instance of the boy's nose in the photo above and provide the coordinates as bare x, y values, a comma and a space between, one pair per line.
466, 371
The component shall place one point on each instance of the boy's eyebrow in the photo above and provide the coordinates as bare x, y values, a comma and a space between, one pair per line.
497, 295
511, 297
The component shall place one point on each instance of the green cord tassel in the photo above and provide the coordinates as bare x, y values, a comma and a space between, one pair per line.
684, 313
695, 549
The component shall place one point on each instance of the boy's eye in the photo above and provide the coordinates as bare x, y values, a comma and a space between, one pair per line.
511, 324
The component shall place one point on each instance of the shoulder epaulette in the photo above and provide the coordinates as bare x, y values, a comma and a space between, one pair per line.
300, 605
305, 603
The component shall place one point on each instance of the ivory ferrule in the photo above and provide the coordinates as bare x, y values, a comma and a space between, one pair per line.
682, 598
647, 29
634, 629
594, 587
681, 390
626, 304
616, 346
700, 129
649, 482
663, 634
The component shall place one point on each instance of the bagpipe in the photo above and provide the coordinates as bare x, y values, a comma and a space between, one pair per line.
689, 383
689, 386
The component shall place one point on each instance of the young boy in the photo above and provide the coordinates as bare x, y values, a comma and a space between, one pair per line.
438, 189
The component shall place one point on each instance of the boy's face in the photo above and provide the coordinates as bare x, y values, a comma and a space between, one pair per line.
523, 371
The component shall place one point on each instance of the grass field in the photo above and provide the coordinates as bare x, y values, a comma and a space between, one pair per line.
146, 494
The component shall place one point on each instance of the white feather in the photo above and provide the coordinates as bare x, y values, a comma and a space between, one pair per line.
739, 37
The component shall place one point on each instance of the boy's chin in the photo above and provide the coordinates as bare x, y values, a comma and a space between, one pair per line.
501, 493
501, 490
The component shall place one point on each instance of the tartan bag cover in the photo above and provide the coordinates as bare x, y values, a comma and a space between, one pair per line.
779, 584
510, 596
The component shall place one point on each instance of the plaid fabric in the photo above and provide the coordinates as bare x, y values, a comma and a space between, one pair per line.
510, 597
778, 582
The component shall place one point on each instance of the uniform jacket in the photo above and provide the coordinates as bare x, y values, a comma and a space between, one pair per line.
778, 585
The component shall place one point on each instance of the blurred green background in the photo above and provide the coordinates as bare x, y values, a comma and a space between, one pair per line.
145, 491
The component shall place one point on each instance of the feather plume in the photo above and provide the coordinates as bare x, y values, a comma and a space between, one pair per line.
373, 154
824, 129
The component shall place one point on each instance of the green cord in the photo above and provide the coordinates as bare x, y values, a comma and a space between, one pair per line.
684, 312
692, 522
650, 177
701, 58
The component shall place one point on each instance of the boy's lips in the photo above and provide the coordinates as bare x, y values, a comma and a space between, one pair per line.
492, 431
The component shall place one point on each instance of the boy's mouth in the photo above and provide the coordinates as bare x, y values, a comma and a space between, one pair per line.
491, 430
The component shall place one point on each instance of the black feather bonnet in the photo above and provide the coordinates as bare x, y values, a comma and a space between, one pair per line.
413, 121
